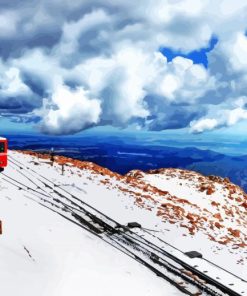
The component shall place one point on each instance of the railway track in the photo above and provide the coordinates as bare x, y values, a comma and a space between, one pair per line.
183, 276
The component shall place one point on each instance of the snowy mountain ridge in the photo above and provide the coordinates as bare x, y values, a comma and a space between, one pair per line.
210, 204
185, 208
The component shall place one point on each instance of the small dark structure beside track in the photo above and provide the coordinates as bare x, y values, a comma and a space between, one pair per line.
193, 254
134, 225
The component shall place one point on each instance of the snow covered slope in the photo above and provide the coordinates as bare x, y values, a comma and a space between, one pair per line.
208, 213
43, 253
211, 205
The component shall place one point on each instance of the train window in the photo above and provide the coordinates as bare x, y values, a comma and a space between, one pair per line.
2, 147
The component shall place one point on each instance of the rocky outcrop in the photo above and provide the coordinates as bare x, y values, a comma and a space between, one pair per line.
226, 204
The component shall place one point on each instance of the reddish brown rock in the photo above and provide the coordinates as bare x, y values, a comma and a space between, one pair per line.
210, 190
234, 232
218, 216
218, 225
215, 204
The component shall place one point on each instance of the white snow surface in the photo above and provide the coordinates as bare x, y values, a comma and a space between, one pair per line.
41, 253
63, 259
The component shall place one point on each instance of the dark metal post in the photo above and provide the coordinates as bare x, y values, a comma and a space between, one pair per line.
52, 156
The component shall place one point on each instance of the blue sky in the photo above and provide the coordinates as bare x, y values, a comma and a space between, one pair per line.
198, 56
162, 66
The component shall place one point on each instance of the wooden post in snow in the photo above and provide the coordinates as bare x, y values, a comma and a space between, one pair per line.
62, 168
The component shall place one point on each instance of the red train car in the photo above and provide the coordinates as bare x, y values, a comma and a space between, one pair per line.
3, 153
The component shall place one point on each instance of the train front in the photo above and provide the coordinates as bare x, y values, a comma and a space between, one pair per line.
3, 153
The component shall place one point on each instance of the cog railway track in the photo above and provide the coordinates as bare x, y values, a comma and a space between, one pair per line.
138, 246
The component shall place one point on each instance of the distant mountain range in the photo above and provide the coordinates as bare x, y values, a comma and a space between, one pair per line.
123, 156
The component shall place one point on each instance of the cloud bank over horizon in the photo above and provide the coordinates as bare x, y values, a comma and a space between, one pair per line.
69, 66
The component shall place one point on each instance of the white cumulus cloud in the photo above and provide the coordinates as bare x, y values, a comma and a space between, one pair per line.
69, 111
104, 57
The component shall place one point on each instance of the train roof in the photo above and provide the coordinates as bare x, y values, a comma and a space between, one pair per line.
2, 138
